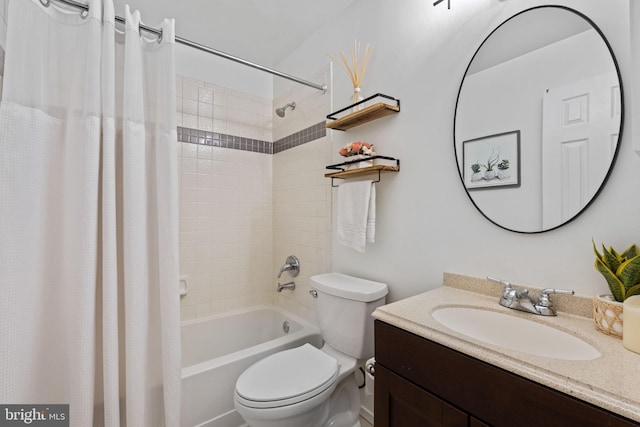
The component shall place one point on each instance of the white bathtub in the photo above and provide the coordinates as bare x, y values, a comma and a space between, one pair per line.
217, 349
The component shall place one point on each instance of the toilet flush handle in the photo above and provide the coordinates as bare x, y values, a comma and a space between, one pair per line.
313, 293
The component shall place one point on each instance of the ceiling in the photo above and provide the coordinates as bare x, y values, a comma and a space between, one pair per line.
260, 31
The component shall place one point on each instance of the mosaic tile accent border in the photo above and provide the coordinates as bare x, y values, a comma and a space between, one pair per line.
301, 137
215, 139
223, 140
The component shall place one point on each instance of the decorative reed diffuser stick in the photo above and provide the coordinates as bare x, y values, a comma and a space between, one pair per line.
358, 66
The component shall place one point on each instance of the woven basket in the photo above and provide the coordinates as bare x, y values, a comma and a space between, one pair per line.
607, 315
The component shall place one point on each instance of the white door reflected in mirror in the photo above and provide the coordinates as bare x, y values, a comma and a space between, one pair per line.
580, 126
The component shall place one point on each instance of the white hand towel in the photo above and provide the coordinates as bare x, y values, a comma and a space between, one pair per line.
354, 213
371, 216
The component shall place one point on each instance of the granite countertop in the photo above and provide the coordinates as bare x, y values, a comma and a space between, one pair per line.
611, 382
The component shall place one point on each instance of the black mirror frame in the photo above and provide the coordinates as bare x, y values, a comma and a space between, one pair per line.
622, 114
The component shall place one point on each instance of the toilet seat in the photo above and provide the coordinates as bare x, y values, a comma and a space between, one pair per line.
286, 378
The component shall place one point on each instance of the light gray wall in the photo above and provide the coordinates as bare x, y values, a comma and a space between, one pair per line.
426, 224
4, 4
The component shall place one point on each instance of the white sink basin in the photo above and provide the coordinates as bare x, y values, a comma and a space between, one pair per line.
515, 333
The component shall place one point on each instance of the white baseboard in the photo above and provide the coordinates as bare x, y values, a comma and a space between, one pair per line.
367, 414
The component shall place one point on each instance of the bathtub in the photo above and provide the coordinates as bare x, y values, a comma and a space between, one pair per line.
217, 349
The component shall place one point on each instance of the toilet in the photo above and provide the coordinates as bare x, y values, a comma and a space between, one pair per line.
310, 387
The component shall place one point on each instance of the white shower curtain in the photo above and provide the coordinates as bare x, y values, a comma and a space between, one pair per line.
89, 308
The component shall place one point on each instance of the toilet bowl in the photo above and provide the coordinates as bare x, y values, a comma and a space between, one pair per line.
312, 387
293, 388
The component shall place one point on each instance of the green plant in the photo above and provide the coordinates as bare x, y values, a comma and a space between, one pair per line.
621, 271
503, 165
491, 162
475, 167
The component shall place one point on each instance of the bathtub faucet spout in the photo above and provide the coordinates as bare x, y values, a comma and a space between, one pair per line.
290, 285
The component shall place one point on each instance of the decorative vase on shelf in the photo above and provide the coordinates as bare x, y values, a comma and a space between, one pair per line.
355, 70
363, 163
357, 97
607, 315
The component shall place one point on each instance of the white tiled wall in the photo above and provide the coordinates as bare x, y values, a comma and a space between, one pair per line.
225, 203
301, 219
242, 213
312, 106
209, 107
302, 195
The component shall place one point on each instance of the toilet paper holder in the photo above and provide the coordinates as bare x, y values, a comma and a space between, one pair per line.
369, 377
370, 367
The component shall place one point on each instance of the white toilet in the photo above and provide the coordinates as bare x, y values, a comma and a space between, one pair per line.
310, 387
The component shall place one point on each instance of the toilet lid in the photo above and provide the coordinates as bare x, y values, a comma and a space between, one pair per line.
290, 375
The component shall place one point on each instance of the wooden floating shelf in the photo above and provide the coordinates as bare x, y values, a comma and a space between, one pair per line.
365, 115
341, 173
353, 173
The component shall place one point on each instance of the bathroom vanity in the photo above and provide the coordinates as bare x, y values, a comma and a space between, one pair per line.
429, 375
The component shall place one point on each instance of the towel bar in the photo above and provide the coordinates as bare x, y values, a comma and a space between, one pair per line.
335, 186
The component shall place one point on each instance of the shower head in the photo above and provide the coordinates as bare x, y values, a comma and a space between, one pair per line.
280, 111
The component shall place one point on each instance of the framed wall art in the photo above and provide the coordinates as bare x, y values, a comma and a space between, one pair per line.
492, 161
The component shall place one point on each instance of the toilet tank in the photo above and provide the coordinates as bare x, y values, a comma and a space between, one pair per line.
343, 309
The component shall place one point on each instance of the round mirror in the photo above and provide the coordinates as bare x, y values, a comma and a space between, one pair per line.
538, 119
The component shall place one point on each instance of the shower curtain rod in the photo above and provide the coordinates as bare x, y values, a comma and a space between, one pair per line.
158, 33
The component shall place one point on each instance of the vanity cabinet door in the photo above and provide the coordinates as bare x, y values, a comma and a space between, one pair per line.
399, 403
497, 397
474, 422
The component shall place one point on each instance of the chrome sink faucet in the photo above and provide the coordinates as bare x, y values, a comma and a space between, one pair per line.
519, 299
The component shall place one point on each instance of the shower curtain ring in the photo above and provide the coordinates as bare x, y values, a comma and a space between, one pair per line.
45, 3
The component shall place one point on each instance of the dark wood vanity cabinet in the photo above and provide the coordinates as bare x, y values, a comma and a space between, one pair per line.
420, 383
